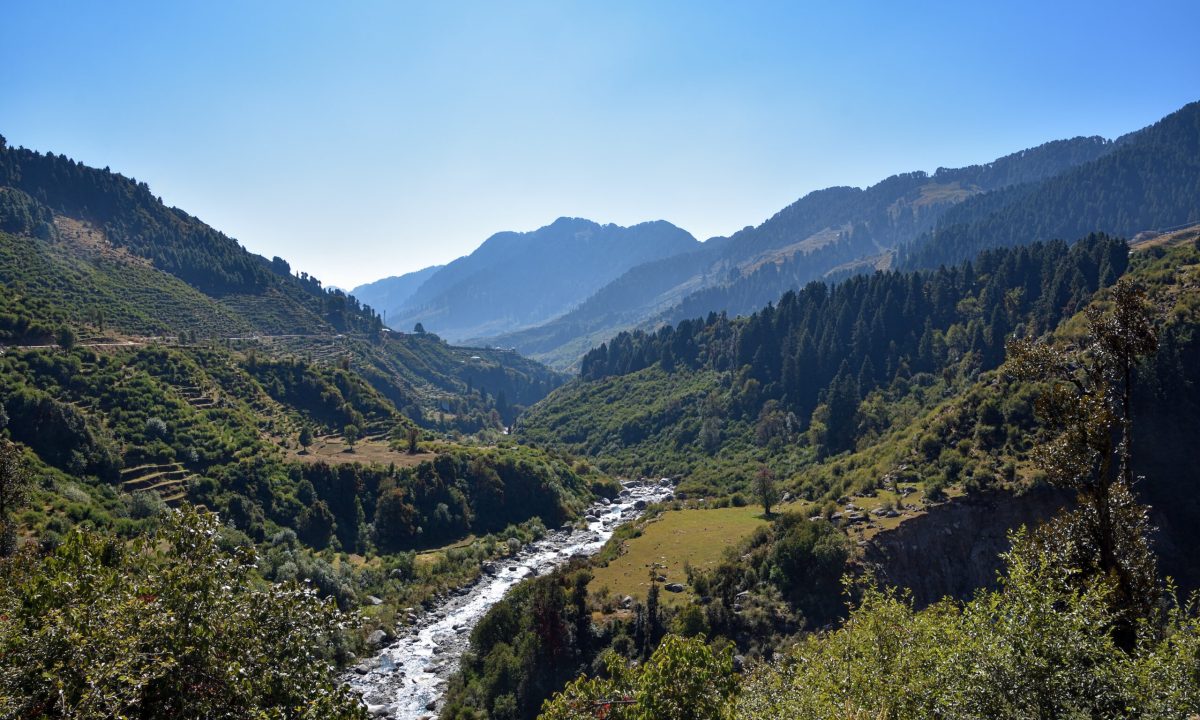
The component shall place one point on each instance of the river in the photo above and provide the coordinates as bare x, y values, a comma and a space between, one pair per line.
406, 679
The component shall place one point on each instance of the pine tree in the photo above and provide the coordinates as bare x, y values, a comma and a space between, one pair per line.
843, 399
1089, 408
653, 620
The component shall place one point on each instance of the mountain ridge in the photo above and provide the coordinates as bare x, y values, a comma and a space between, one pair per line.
93, 256
518, 279
392, 292
820, 232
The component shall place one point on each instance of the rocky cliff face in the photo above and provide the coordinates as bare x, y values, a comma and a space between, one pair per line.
955, 548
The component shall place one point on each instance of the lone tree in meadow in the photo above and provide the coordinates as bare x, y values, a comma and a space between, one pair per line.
352, 435
306, 437
765, 490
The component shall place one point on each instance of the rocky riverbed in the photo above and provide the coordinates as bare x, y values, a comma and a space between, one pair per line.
406, 679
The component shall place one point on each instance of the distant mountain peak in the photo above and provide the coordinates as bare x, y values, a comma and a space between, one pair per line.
518, 279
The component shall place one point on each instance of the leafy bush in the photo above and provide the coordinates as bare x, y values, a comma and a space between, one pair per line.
1036, 647
165, 626
146, 504
684, 679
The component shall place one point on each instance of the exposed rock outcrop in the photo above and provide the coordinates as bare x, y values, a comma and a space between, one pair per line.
954, 548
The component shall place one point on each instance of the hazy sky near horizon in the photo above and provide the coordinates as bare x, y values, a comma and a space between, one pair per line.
365, 139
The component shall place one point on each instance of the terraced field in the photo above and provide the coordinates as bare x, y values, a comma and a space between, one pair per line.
169, 480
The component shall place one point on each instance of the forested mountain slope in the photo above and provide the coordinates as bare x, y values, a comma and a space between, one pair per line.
823, 231
942, 463
710, 395
123, 214
1151, 181
147, 352
148, 362
96, 253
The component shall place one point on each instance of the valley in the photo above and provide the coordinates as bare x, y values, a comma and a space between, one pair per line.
407, 678
883, 418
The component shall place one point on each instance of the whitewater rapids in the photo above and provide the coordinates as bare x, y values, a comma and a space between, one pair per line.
406, 680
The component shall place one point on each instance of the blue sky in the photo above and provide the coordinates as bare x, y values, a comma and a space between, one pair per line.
363, 139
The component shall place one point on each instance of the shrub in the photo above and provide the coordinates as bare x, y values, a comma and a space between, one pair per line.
1036, 647
146, 504
167, 625
684, 679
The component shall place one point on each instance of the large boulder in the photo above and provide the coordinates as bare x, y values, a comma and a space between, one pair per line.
378, 638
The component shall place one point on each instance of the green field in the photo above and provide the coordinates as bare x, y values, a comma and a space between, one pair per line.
694, 536
699, 537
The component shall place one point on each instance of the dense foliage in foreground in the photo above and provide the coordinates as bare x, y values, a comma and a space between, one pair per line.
169, 625
1035, 648
683, 680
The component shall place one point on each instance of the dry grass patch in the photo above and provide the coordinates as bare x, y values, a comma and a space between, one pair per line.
334, 451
